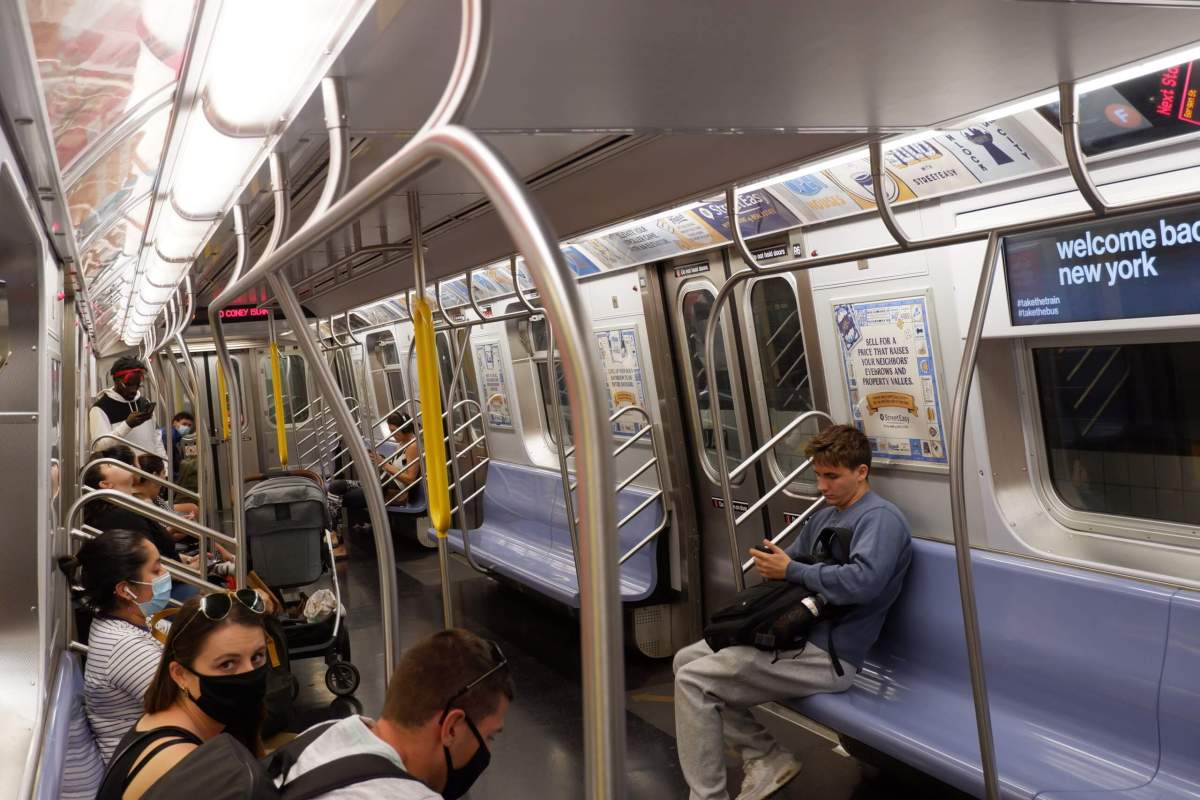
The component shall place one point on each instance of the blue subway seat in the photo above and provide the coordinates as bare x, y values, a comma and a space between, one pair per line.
1073, 662
417, 506
1178, 774
71, 767
524, 535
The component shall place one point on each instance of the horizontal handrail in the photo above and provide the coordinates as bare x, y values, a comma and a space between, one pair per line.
798, 521
148, 510
116, 462
183, 573
776, 489
774, 440
140, 448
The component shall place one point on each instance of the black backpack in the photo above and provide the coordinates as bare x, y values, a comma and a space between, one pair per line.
228, 771
778, 615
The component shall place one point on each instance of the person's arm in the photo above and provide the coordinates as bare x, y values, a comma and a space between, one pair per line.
413, 460
98, 425
134, 664
879, 539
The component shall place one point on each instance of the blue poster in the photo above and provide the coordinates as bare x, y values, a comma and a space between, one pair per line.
892, 378
579, 263
758, 212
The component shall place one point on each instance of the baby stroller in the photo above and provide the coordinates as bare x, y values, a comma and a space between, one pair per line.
287, 517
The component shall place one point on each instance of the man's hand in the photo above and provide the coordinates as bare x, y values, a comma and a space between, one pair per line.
773, 565
138, 417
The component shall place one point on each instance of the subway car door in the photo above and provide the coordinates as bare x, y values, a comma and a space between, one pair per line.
690, 286
244, 372
299, 415
785, 375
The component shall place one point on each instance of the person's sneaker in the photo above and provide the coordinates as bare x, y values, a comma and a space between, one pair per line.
767, 775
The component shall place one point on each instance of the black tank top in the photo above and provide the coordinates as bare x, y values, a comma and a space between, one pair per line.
121, 770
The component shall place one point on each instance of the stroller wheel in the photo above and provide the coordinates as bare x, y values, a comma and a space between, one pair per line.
342, 678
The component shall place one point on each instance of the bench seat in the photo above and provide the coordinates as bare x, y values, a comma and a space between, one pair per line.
1073, 662
524, 534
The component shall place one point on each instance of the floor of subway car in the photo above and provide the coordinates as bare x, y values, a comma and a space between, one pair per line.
541, 749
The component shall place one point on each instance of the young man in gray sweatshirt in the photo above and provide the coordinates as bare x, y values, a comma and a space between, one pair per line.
714, 692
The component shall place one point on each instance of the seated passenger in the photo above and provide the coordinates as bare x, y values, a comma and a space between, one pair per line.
211, 679
714, 692
445, 703
152, 492
124, 583
102, 515
406, 467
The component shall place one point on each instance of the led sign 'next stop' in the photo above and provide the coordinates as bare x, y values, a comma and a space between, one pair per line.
1137, 266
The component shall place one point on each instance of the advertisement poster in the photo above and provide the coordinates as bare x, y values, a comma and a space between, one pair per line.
928, 169
758, 212
623, 373
891, 378
1002, 148
689, 230
814, 198
855, 179
578, 261
493, 385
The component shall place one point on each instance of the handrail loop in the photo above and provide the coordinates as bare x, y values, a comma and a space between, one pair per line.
879, 180
1068, 118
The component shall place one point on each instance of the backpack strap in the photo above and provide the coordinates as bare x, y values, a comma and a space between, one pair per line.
280, 763
144, 739
342, 772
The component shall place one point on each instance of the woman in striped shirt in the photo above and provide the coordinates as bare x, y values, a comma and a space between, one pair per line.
123, 583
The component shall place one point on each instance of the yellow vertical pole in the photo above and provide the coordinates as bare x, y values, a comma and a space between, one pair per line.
436, 485
223, 398
277, 397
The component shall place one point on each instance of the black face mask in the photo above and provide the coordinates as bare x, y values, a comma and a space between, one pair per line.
459, 779
228, 699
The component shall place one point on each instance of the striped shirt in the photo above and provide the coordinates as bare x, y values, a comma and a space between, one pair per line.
121, 662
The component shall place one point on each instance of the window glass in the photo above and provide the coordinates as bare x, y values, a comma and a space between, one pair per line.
548, 401
295, 389
786, 389
1122, 428
697, 307
383, 358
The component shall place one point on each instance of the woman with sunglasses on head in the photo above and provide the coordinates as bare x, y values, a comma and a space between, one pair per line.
124, 583
211, 679
445, 704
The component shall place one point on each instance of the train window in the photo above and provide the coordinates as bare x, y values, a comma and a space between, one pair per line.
295, 389
386, 369
548, 401
782, 364
1122, 427
697, 307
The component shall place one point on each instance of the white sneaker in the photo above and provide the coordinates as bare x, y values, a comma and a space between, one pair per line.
767, 775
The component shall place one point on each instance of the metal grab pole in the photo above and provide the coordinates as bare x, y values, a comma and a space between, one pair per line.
600, 610
958, 508
568, 500
1068, 119
437, 494
879, 187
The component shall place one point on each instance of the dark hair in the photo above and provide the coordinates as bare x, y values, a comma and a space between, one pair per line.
124, 363
183, 415
101, 563
398, 419
433, 670
94, 474
840, 446
190, 629
151, 463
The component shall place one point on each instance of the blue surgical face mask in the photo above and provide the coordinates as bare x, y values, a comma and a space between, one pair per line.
160, 598
184, 430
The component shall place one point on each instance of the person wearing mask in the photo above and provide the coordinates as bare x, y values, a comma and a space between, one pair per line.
151, 491
124, 583
211, 679
445, 704
121, 410
714, 692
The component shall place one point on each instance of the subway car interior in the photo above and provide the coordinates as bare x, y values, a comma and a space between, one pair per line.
462, 276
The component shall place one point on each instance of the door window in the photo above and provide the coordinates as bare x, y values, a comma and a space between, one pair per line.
782, 365
697, 306
295, 389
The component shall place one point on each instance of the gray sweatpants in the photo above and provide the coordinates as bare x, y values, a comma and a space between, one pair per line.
714, 693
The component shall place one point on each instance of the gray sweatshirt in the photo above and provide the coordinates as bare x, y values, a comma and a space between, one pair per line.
871, 580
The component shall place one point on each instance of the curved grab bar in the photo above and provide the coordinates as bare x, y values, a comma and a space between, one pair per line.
175, 487
132, 445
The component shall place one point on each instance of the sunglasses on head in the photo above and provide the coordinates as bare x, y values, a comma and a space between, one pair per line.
216, 606
500, 663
